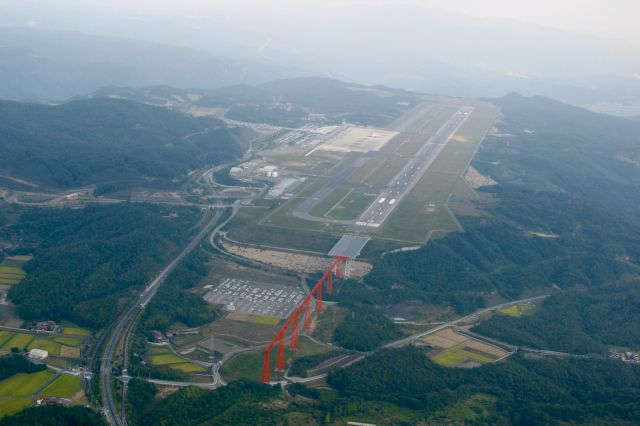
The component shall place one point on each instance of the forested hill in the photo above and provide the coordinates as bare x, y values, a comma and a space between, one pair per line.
286, 102
338, 100
108, 140
550, 146
88, 260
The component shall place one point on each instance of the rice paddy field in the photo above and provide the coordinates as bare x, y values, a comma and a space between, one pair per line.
20, 391
64, 346
18, 340
23, 384
518, 310
9, 406
458, 354
74, 330
11, 271
162, 356
64, 386
453, 349
11, 274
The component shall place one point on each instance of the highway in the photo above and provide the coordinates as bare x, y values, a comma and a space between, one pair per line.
409, 339
127, 318
382, 207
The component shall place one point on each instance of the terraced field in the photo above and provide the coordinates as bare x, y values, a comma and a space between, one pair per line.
11, 274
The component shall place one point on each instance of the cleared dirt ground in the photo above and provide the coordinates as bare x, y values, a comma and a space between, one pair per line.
293, 261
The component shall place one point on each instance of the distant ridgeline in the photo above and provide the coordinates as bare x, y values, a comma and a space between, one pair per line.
109, 141
565, 215
290, 102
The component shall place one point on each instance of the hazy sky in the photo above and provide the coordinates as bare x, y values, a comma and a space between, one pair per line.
608, 18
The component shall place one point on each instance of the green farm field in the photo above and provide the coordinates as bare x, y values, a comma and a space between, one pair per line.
5, 336
70, 341
12, 270
25, 384
165, 359
47, 345
11, 274
19, 391
187, 367
518, 310
453, 356
162, 356
19, 340
64, 386
9, 406
70, 328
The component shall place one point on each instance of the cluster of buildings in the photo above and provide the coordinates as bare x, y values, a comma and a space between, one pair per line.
47, 327
629, 356
158, 337
253, 168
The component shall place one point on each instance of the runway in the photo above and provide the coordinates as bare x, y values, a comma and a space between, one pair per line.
412, 172
401, 184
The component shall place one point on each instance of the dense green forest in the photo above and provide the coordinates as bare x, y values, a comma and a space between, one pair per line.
534, 392
366, 329
87, 260
498, 254
14, 364
109, 140
238, 403
174, 303
49, 415
576, 321
550, 146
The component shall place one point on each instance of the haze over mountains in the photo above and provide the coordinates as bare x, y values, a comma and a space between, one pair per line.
458, 55
36, 64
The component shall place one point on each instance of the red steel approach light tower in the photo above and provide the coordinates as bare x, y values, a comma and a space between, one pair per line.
343, 254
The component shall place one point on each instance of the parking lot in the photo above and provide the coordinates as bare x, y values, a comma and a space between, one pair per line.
256, 298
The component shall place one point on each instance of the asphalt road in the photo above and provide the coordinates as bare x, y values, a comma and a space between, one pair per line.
125, 320
409, 339
412, 172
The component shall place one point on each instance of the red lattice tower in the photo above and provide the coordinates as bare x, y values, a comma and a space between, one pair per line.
293, 323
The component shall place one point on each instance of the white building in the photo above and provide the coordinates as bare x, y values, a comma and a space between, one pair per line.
38, 354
